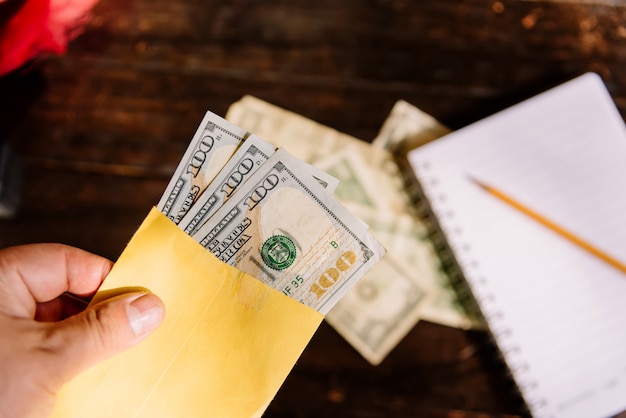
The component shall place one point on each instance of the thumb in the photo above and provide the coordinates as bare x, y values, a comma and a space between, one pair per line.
103, 330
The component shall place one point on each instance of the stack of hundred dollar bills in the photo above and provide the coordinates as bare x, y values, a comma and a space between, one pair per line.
269, 214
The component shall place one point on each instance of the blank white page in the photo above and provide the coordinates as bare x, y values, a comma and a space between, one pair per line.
557, 313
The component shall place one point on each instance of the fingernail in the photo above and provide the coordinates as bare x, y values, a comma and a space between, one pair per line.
145, 314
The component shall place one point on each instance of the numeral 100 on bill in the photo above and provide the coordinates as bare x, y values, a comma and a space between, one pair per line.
344, 263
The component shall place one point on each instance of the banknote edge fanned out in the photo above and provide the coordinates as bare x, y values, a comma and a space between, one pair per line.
194, 219
171, 204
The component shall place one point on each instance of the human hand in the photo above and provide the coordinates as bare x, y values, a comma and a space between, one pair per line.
42, 344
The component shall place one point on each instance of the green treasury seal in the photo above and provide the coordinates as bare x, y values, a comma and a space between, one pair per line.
278, 252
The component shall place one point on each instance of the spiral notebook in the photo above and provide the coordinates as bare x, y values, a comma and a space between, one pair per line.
556, 312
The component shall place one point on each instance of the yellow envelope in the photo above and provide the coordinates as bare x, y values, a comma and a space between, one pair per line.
227, 343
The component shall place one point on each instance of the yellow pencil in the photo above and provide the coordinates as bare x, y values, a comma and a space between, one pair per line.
552, 226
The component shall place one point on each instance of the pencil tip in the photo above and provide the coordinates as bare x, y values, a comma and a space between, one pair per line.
476, 182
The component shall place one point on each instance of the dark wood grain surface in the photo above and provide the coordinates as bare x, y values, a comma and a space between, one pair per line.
102, 128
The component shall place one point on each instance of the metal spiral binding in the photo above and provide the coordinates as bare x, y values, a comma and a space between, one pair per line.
478, 299
519, 368
537, 405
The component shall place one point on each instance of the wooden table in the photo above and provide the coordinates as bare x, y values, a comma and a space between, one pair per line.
102, 128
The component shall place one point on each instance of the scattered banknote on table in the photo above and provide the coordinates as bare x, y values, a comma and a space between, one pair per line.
271, 215
406, 128
408, 284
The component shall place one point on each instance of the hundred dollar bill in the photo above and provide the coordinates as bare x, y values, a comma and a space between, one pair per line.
212, 145
243, 164
284, 229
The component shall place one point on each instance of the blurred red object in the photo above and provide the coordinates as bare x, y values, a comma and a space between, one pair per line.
32, 28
